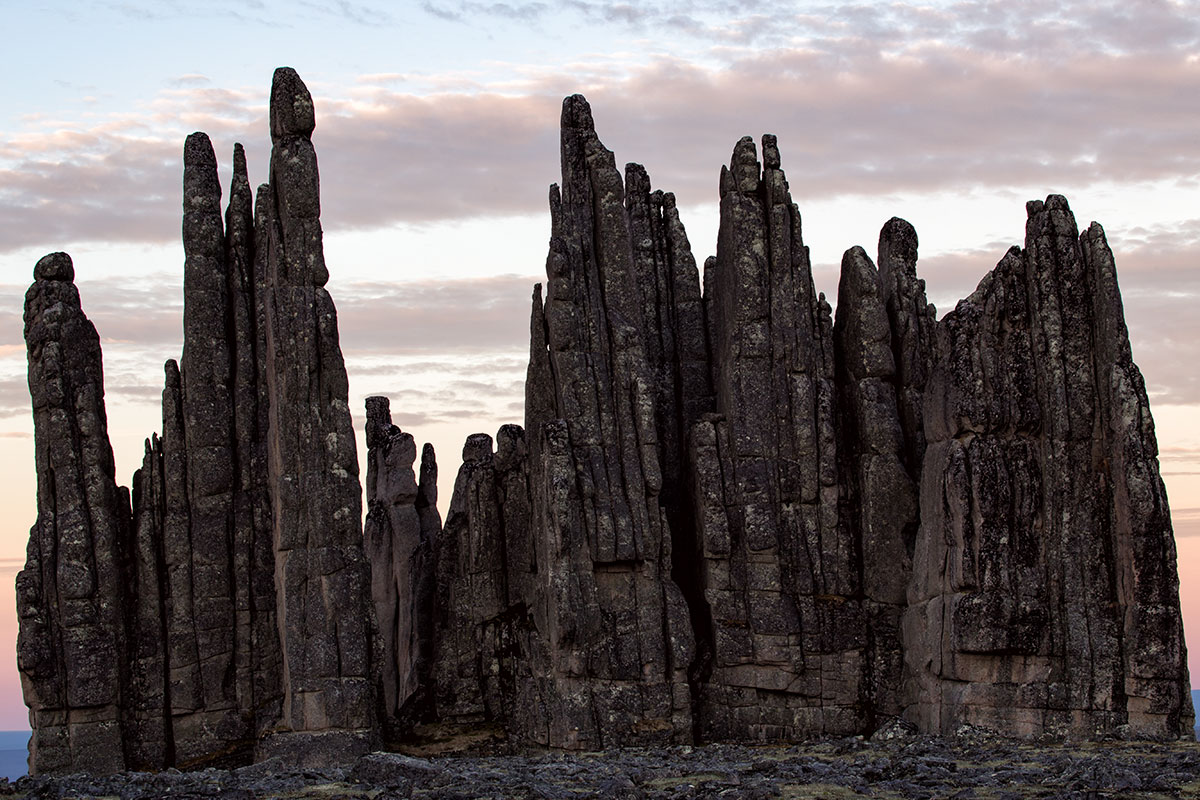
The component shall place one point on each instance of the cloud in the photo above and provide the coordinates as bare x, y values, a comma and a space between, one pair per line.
189, 80
14, 398
356, 13
480, 315
464, 11
455, 388
852, 118
1056, 30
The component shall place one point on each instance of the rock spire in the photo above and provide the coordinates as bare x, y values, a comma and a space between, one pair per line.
71, 649
1045, 559
731, 514
231, 602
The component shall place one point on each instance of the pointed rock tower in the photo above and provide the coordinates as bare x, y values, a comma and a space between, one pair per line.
226, 616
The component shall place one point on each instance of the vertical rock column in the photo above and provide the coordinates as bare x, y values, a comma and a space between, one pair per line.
71, 645
677, 352
256, 642
471, 590
207, 406
322, 580
780, 569
1045, 567
149, 735
1156, 683
913, 323
399, 549
881, 496
619, 637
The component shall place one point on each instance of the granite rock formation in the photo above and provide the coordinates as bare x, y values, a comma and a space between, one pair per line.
854, 532
71, 646
225, 615
1045, 561
730, 514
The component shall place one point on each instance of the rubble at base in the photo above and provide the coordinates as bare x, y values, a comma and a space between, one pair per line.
894, 764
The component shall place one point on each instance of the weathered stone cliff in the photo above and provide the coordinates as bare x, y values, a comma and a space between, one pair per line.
730, 514
1045, 595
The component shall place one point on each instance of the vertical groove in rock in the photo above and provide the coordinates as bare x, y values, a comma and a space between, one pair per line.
539, 380
267, 656
71, 646
420, 705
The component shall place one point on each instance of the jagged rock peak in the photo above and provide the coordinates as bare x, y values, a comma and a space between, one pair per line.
54, 267
292, 112
297, 257
899, 238
477, 448
577, 116
1045, 551
239, 161
201, 184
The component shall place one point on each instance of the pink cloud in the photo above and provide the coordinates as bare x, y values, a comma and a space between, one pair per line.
898, 101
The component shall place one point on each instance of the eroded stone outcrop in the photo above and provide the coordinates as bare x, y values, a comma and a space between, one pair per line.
555, 609
230, 616
71, 648
818, 531
322, 580
779, 568
730, 515
398, 534
1045, 566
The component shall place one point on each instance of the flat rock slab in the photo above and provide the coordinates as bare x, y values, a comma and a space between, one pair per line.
893, 764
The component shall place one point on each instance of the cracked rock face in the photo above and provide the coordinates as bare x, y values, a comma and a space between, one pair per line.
730, 514
71, 646
225, 615
1045, 566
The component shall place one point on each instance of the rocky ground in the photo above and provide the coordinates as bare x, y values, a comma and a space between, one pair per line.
895, 763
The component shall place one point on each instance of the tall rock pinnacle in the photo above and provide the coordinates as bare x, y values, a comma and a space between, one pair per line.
730, 515
207, 406
1045, 554
226, 615
70, 601
322, 579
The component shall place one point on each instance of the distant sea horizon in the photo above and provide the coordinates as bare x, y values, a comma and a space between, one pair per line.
14, 753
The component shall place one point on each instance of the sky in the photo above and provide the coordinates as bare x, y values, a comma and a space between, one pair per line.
437, 139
